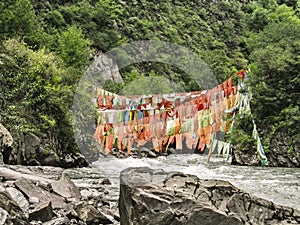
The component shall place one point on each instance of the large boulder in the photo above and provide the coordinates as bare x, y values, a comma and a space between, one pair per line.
42, 212
10, 208
156, 197
66, 188
6, 144
32, 191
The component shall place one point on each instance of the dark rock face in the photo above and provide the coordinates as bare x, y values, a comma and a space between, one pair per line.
245, 158
42, 212
155, 197
31, 149
284, 152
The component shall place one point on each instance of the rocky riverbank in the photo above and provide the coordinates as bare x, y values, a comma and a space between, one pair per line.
156, 197
46, 195
32, 149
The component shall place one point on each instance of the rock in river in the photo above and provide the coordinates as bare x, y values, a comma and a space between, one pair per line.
156, 197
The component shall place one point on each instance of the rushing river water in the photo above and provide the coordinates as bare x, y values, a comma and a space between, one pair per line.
280, 185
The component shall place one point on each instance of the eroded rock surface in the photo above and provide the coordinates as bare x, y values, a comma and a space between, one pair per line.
156, 197
46, 195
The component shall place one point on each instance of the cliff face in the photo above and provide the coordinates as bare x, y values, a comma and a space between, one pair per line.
156, 197
282, 154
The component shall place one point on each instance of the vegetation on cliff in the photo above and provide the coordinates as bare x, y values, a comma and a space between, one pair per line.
45, 46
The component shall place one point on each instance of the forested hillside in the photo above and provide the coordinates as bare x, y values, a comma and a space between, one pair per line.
45, 46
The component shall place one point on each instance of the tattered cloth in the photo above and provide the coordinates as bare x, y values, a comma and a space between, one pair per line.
191, 118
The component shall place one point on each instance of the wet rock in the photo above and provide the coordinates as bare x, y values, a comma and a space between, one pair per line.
73, 160
90, 214
106, 181
147, 152
66, 188
156, 197
245, 158
42, 212
30, 190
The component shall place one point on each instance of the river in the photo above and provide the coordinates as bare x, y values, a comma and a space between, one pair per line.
280, 185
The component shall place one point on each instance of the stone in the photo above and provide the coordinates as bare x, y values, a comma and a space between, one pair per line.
10, 174
32, 143
19, 198
6, 144
1, 159
106, 68
4, 217
33, 200
66, 188
58, 221
29, 189
90, 193
51, 159
8, 204
148, 153
156, 197
42, 212
106, 181
90, 214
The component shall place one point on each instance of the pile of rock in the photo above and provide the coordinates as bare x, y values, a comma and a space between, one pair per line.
139, 152
45, 195
156, 197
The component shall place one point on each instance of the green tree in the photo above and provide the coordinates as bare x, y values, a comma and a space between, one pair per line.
74, 48
32, 95
17, 19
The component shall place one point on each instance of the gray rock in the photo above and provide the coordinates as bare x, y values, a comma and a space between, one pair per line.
58, 221
1, 159
32, 143
4, 217
6, 144
8, 204
42, 212
30, 190
19, 198
66, 188
5, 137
156, 197
148, 153
106, 181
10, 174
33, 200
90, 193
105, 68
90, 214
51, 159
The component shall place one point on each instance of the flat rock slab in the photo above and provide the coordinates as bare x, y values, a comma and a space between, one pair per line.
156, 197
32, 191
66, 188
8, 204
